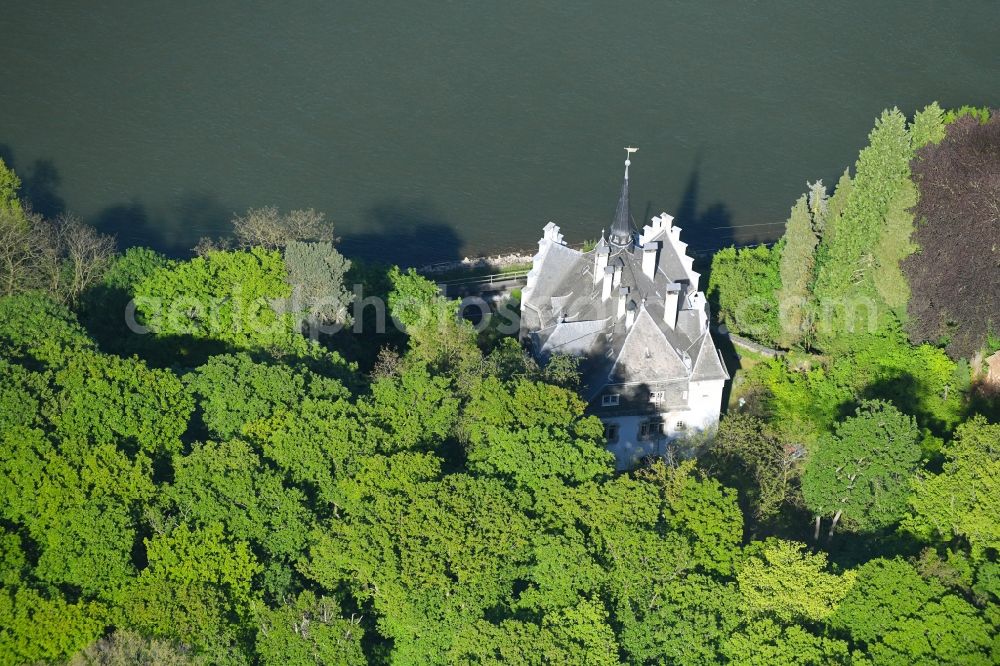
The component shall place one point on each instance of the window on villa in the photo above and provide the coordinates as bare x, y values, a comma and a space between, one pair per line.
656, 397
610, 400
684, 395
611, 432
650, 429
680, 426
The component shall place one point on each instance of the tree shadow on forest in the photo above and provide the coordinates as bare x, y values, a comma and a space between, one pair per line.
907, 393
406, 233
102, 311
901, 391
731, 358
851, 549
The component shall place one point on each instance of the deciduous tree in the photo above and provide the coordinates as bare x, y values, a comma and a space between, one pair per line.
108, 399
954, 278
269, 229
964, 499
465, 543
227, 484
780, 579
127, 648
314, 445
35, 328
699, 509
18, 253
316, 272
744, 285
574, 635
232, 390
197, 589
847, 279
529, 432
898, 617
36, 627
79, 505
10, 184
928, 126
686, 621
308, 630
862, 471
751, 456
766, 641
414, 410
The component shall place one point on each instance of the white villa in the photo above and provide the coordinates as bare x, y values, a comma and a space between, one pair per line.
631, 308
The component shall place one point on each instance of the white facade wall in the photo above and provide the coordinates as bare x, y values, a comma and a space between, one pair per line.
630, 448
705, 402
702, 413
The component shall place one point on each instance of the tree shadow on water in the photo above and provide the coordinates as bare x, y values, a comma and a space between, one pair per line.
39, 186
704, 229
407, 233
191, 216
174, 232
40, 182
194, 215
129, 223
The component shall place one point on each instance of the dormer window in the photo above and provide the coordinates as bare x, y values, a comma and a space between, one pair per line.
610, 400
656, 397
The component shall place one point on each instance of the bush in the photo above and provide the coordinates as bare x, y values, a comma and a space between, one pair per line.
743, 287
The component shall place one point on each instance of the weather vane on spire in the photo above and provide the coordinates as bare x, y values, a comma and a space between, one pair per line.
628, 158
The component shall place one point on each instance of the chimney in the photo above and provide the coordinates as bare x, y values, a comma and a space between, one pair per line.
617, 278
698, 304
622, 298
600, 262
650, 253
671, 303
609, 274
630, 311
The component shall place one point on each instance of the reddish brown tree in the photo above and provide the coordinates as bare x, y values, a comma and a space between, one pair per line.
955, 276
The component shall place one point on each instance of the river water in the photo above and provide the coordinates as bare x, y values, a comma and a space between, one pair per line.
429, 131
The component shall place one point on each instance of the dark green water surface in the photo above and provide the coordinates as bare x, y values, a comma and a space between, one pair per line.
428, 131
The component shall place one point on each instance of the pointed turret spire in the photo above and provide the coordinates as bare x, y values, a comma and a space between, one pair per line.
621, 229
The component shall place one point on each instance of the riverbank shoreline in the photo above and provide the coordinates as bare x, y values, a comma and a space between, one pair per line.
497, 262
507, 260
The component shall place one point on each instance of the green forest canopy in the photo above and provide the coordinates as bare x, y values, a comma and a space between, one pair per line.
226, 490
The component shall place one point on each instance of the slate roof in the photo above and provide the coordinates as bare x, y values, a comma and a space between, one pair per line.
645, 355
563, 312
